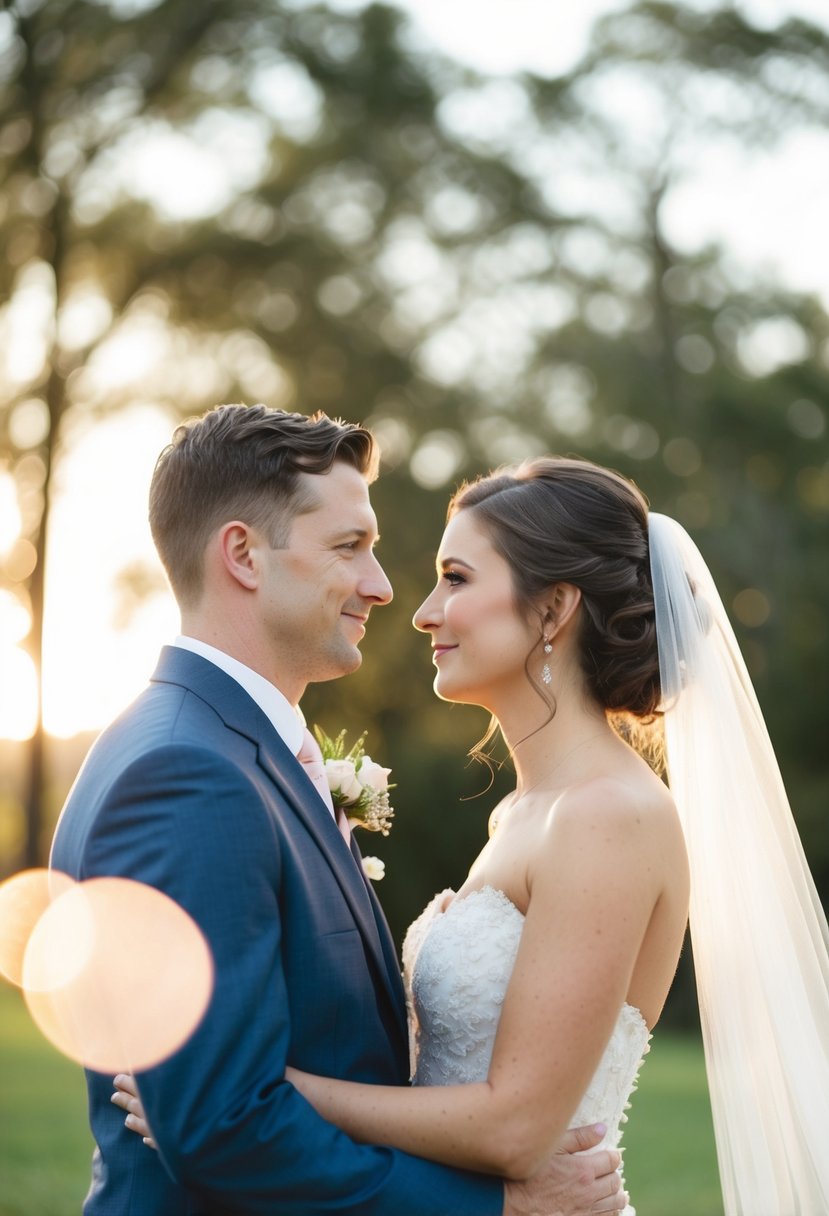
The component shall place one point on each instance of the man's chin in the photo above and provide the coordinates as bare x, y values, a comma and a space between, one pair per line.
355, 660
344, 663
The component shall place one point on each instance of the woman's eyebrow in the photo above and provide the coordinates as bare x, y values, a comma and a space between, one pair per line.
443, 562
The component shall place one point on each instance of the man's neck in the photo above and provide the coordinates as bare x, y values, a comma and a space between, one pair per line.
233, 643
238, 640
282, 713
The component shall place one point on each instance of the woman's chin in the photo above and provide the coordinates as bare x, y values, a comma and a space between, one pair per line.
442, 687
452, 690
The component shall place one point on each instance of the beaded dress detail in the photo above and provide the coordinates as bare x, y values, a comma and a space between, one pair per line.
457, 965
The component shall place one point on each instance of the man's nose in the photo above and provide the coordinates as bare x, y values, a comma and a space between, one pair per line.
375, 584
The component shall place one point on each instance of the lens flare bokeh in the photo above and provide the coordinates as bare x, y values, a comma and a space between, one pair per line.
115, 973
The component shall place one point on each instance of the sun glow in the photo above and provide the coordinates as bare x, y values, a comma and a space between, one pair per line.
98, 653
9, 514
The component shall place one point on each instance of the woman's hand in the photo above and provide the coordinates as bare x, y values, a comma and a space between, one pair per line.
126, 1096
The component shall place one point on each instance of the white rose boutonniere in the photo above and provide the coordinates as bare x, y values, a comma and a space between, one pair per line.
358, 784
342, 781
374, 869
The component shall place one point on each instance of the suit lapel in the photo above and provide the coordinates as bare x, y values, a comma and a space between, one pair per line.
241, 713
393, 976
286, 772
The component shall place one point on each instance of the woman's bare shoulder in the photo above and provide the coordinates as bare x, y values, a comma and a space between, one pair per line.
626, 804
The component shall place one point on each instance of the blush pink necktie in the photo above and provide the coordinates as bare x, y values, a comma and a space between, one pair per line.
310, 757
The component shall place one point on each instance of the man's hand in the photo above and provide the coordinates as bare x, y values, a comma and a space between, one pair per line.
570, 1185
126, 1096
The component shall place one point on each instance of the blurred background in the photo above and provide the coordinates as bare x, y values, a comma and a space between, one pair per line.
487, 230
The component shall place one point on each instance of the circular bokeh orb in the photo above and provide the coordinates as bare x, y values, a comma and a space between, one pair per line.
116, 974
23, 899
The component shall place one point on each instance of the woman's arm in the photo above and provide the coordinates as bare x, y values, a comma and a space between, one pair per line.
594, 887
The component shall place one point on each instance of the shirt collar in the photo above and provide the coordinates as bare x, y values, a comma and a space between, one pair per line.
287, 721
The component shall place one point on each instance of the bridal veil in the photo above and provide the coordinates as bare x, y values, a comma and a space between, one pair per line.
759, 933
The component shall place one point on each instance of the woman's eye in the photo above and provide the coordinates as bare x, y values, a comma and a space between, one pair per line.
453, 578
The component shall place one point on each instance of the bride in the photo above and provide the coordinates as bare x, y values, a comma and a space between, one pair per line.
577, 619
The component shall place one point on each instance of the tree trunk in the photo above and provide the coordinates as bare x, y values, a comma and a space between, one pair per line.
35, 848
53, 247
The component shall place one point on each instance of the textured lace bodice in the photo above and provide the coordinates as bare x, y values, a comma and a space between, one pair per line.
457, 965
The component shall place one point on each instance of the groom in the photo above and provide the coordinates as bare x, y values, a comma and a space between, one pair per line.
263, 522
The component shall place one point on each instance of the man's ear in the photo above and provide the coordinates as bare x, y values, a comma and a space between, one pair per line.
237, 545
559, 606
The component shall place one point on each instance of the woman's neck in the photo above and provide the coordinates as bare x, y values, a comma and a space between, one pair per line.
542, 755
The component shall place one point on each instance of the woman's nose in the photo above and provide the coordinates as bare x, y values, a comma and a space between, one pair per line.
429, 614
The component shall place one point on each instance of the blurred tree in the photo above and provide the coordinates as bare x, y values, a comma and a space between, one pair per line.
589, 329
280, 284
483, 269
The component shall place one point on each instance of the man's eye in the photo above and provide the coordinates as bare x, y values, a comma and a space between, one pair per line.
351, 545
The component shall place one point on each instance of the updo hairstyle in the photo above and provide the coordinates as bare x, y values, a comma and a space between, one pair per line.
560, 520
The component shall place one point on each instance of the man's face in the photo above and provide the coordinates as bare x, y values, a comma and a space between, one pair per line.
316, 594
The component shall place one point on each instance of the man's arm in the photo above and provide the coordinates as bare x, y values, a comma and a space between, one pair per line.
568, 1185
227, 1124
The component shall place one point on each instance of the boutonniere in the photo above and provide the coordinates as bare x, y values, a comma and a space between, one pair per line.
374, 868
357, 784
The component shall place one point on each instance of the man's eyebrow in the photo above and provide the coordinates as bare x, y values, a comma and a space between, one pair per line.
354, 534
454, 561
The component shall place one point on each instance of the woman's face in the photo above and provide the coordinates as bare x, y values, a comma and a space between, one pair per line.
480, 641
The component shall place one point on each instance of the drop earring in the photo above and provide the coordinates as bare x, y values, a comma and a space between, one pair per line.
546, 674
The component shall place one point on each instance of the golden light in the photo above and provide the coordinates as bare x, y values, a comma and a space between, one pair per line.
18, 693
25, 324
23, 899
9, 513
92, 669
29, 423
116, 975
20, 560
14, 618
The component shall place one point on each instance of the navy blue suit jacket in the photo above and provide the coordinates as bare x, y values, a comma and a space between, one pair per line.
192, 791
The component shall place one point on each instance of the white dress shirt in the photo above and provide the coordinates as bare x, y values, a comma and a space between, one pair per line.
286, 720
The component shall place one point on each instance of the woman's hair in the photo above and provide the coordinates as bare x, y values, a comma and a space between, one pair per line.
561, 520
242, 462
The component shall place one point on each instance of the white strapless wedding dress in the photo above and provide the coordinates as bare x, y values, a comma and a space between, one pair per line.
457, 965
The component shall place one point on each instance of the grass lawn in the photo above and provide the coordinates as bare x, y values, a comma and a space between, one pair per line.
670, 1161
45, 1145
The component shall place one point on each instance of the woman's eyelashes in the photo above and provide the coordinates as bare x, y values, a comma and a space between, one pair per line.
453, 578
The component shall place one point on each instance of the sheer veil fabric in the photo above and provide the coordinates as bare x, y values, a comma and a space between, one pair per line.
759, 933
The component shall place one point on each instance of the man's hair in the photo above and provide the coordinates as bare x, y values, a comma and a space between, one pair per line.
242, 462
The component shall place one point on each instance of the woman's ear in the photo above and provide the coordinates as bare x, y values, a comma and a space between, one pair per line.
237, 551
559, 607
